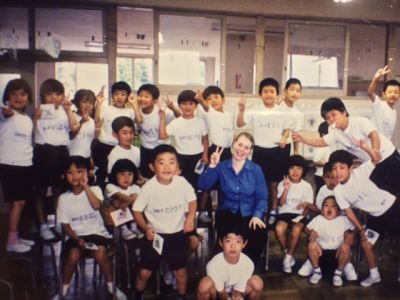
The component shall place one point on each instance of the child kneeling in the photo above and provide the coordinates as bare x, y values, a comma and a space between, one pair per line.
230, 273
331, 238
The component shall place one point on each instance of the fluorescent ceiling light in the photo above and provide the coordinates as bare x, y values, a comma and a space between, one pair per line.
119, 45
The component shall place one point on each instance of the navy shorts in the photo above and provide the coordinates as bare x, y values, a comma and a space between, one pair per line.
388, 222
288, 217
16, 182
93, 238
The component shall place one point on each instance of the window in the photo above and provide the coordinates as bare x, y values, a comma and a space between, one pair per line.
135, 71
13, 28
189, 50
274, 41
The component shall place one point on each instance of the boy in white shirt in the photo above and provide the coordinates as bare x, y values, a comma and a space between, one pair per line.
165, 209
331, 238
384, 114
356, 190
230, 273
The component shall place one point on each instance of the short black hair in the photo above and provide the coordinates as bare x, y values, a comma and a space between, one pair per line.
83, 94
392, 82
163, 148
16, 85
332, 104
236, 227
150, 88
121, 122
291, 81
323, 129
122, 165
187, 95
341, 156
330, 197
327, 168
212, 90
50, 86
268, 81
79, 161
297, 160
120, 86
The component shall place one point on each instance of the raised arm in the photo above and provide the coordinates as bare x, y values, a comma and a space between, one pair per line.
72, 121
138, 115
240, 117
203, 102
374, 82
171, 106
163, 126
97, 113
311, 141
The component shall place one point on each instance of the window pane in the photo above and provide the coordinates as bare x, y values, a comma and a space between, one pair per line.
125, 69
397, 51
316, 54
367, 54
14, 28
186, 44
143, 71
135, 29
274, 40
72, 29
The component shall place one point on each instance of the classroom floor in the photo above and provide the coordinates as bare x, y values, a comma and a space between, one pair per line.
33, 276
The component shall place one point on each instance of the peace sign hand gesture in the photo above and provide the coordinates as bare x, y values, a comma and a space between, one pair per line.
215, 157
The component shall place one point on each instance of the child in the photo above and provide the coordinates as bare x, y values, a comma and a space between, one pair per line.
104, 116
147, 97
80, 143
270, 130
330, 243
349, 132
78, 211
53, 125
230, 273
295, 197
384, 115
16, 157
123, 191
123, 130
168, 203
356, 190
220, 124
190, 136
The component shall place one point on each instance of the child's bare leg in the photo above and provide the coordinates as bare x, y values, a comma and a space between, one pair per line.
193, 243
40, 196
100, 255
368, 250
73, 257
296, 231
141, 279
314, 253
343, 256
206, 289
254, 287
280, 232
273, 190
15, 215
203, 199
181, 280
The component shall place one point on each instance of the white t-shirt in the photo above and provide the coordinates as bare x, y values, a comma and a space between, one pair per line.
268, 124
228, 276
298, 193
112, 189
77, 211
322, 194
188, 134
384, 117
80, 144
330, 232
358, 129
118, 152
150, 128
360, 192
108, 114
221, 127
16, 140
321, 154
165, 205
53, 131
295, 115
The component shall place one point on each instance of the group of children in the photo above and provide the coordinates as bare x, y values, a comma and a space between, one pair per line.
67, 140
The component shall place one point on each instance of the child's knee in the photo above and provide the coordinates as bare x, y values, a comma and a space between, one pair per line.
280, 228
297, 229
313, 247
206, 285
256, 283
101, 254
74, 255
345, 248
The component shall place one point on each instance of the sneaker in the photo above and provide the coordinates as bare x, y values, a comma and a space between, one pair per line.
126, 234
65, 289
27, 242
18, 248
168, 277
288, 263
370, 280
349, 272
204, 218
337, 280
119, 295
306, 269
315, 278
46, 234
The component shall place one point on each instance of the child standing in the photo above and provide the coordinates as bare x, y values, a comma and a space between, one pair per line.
168, 203
123, 191
384, 114
295, 197
78, 211
148, 95
16, 157
190, 136
53, 125
270, 130
230, 273
104, 117
330, 243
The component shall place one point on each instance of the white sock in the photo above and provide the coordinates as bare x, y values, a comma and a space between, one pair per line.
65, 288
317, 270
374, 272
110, 287
338, 272
44, 225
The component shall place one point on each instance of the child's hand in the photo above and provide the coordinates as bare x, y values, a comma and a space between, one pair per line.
286, 183
150, 233
100, 96
161, 114
67, 104
123, 205
376, 156
133, 100
297, 137
84, 179
242, 103
282, 143
215, 157
256, 222
38, 113
169, 102
236, 295
199, 95
302, 205
188, 226
381, 72
204, 158
7, 111
81, 243
313, 236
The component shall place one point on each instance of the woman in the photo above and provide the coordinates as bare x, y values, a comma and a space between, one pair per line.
244, 192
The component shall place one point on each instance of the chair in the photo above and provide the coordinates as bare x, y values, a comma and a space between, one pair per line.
6, 288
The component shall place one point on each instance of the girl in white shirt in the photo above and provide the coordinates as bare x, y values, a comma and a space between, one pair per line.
16, 157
